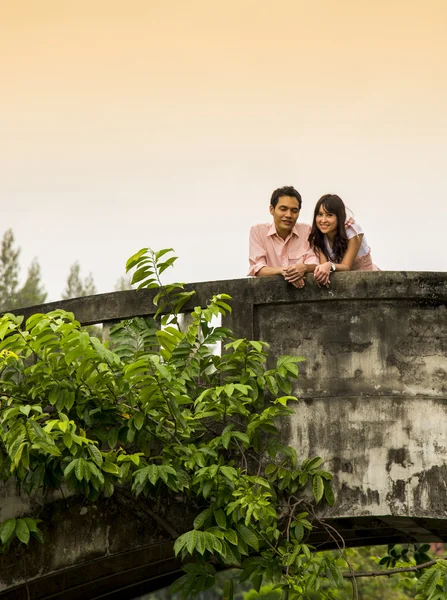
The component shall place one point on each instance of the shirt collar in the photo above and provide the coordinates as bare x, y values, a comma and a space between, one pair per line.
272, 230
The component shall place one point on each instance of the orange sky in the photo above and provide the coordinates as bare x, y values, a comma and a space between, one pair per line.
145, 121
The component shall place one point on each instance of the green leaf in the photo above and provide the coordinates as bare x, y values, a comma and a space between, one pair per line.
113, 437
242, 437
79, 469
228, 591
201, 542
256, 345
180, 543
429, 580
182, 585
257, 582
7, 529
112, 468
167, 263
161, 253
22, 531
191, 541
201, 519
95, 454
334, 573
231, 536
213, 543
221, 520
135, 258
229, 472
298, 532
138, 420
208, 486
270, 468
317, 487
32, 524
313, 463
328, 492
272, 385
248, 536
69, 468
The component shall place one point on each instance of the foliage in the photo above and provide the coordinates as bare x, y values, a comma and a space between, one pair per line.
22, 529
9, 270
159, 413
123, 284
32, 293
11, 294
367, 559
76, 286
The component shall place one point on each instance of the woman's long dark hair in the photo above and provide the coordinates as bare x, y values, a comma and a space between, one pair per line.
332, 204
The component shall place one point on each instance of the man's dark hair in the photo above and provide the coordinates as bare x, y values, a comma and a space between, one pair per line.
287, 190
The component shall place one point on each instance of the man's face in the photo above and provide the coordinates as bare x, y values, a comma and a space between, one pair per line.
285, 214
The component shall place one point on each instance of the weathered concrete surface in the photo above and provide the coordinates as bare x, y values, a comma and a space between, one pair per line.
374, 406
113, 548
374, 392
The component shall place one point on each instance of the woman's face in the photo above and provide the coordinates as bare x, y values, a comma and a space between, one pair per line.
326, 222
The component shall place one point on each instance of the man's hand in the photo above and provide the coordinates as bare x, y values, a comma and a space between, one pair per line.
299, 284
294, 273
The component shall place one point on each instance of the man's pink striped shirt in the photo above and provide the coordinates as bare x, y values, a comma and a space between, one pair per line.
268, 249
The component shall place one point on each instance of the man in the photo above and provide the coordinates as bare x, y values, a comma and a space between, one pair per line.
282, 248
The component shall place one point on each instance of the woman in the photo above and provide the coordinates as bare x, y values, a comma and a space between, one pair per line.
339, 244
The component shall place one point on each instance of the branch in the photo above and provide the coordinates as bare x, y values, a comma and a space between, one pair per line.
351, 574
425, 565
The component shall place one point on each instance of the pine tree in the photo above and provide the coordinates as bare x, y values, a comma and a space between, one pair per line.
9, 272
32, 292
75, 286
89, 286
123, 284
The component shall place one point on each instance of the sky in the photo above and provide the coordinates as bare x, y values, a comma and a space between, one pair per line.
169, 124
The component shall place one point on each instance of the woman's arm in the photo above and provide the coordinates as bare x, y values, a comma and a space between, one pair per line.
321, 257
323, 270
350, 254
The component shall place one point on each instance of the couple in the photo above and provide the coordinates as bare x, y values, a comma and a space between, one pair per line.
293, 249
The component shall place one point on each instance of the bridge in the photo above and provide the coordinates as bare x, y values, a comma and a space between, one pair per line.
373, 396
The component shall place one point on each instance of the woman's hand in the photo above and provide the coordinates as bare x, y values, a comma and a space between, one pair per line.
322, 274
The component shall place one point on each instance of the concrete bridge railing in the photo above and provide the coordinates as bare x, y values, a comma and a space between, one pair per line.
374, 406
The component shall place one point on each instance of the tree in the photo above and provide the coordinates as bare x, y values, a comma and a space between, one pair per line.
76, 287
9, 270
123, 284
164, 415
32, 292
11, 295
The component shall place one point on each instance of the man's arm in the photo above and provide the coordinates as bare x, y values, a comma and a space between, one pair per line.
258, 256
269, 271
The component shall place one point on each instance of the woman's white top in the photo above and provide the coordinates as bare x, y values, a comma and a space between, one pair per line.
352, 229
